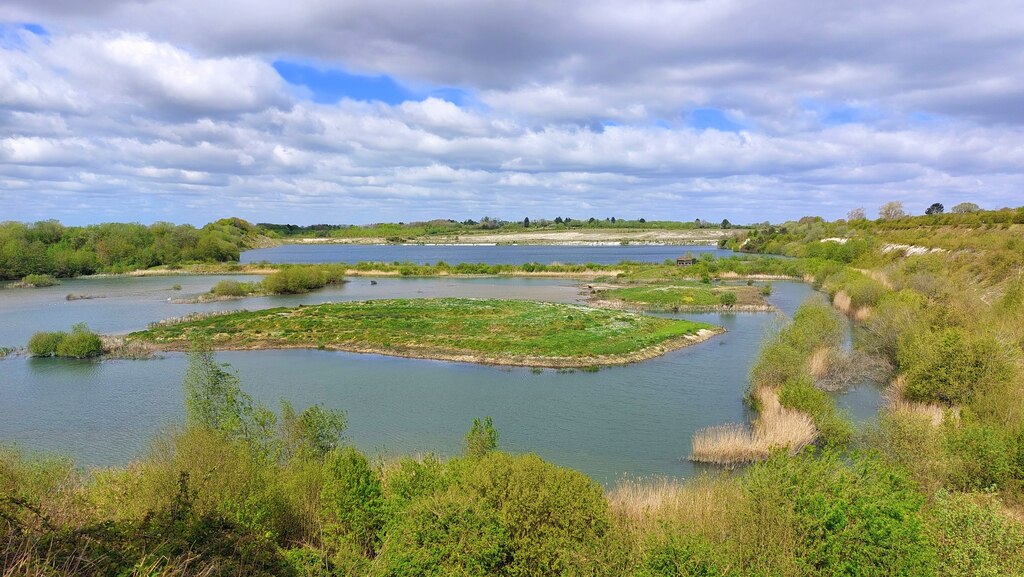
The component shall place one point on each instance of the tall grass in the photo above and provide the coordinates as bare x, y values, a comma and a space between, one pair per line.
776, 428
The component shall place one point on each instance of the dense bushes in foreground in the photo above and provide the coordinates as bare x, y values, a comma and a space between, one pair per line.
241, 491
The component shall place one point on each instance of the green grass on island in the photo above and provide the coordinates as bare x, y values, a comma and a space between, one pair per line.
508, 332
685, 296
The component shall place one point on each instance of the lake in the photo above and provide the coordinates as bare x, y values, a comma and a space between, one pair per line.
634, 420
454, 254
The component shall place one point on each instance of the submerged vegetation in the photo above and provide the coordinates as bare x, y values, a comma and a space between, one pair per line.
480, 330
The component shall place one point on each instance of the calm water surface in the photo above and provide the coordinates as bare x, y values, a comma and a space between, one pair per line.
454, 254
633, 420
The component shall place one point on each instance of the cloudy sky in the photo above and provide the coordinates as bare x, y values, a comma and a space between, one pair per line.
367, 110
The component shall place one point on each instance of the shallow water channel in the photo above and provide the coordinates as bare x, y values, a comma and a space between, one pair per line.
635, 420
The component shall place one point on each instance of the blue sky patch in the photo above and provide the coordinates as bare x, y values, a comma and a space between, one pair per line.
705, 118
329, 85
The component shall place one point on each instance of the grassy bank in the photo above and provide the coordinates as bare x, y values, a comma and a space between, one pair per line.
683, 297
504, 332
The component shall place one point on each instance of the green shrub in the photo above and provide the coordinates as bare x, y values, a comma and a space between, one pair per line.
952, 364
352, 502
555, 518
447, 534
974, 538
861, 518
233, 288
684, 555
727, 298
802, 395
43, 344
80, 344
482, 438
39, 280
982, 456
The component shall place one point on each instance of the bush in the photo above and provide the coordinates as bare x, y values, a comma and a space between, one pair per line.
39, 280
482, 438
447, 534
555, 518
43, 344
233, 288
80, 344
861, 518
802, 395
727, 298
974, 538
951, 365
352, 501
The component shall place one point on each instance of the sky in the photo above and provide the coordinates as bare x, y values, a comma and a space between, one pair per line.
316, 111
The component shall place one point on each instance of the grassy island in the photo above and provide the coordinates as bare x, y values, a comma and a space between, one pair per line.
505, 332
683, 296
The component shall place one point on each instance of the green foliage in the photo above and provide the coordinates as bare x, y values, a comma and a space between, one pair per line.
44, 344
353, 507
858, 519
481, 439
214, 400
491, 328
553, 516
981, 457
952, 365
301, 279
39, 280
727, 298
680, 554
446, 534
315, 431
49, 248
233, 288
973, 538
800, 394
80, 343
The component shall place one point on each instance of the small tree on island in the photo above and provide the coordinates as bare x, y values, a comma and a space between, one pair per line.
935, 208
526, 222
856, 214
482, 438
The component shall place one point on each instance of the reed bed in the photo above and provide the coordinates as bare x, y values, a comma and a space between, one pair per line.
933, 413
704, 504
776, 427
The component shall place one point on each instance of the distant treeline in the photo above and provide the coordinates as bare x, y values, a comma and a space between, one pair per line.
48, 247
448, 226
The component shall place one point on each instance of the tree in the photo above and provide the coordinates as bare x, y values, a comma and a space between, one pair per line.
727, 298
613, 220
526, 222
482, 438
856, 214
726, 223
643, 220
966, 207
935, 208
215, 400
891, 210
558, 220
